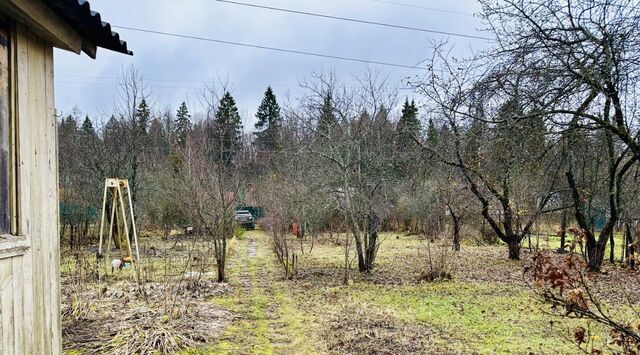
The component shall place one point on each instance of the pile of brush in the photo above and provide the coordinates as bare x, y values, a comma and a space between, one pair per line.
164, 318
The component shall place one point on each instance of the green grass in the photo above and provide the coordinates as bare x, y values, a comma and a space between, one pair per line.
275, 316
482, 318
263, 303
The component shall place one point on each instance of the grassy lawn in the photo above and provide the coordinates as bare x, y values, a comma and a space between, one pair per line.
387, 310
488, 306
268, 321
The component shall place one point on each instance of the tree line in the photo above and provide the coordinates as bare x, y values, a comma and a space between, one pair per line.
540, 129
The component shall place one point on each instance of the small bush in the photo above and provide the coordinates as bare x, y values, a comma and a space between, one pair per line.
439, 263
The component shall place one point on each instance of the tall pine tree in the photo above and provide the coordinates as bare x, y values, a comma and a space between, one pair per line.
269, 123
141, 119
327, 118
87, 127
408, 129
432, 134
183, 124
90, 141
227, 130
137, 146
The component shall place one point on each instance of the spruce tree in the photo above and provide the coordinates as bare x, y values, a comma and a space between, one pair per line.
87, 127
227, 133
137, 143
408, 129
269, 123
68, 125
88, 135
327, 117
142, 118
183, 124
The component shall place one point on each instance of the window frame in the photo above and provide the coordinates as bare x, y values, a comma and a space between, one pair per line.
15, 242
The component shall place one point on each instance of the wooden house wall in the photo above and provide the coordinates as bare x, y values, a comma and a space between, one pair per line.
29, 272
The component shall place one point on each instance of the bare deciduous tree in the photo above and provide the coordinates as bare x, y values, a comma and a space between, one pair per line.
504, 160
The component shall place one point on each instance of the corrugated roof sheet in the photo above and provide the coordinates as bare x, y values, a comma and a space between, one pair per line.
78, 14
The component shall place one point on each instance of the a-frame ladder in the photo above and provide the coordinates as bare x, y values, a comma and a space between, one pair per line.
115, 191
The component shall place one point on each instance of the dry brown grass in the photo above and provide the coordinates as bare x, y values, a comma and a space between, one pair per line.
116, 316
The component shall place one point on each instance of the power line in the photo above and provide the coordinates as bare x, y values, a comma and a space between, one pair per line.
292, 51
113, 78
191, 88
144, 79
423, 7
349, 19
293, 88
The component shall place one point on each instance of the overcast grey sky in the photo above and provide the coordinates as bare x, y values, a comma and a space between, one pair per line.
176, 68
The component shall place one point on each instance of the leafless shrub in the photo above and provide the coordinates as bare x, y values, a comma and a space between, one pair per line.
277, 223
438, 264
208, 190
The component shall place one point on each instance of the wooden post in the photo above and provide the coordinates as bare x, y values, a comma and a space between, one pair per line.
124, 220
133, 221
104, 211
113, 217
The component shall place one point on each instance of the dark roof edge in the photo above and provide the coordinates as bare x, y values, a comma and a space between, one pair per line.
88, 23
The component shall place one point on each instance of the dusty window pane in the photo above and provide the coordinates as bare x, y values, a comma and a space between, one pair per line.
4, 128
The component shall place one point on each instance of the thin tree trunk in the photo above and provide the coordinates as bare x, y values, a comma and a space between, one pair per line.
563, 232
72, 238
63, 228
611, 248
220, 271
85, 231
456, 230
630, 248
361, 258
346, 260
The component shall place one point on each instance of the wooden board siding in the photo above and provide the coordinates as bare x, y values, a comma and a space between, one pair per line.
29, 276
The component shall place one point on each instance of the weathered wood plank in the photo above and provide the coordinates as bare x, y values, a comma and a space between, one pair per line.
35, 115
2, 325
50, 231
22, 129
27, 301
7, 251
6, 294
24, 180
18, 306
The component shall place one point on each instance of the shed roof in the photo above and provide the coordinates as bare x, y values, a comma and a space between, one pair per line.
78, 15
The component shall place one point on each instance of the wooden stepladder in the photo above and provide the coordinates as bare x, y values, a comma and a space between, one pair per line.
116, 192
